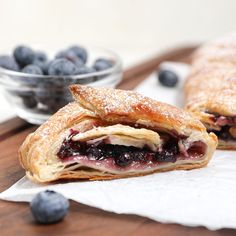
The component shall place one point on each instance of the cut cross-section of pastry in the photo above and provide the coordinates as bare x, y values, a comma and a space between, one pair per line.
109, 133
210, 90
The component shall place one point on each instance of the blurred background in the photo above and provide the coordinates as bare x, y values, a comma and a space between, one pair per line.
135, 29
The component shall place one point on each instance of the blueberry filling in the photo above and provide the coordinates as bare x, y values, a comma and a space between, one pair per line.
224, 133
124, 156
225, 123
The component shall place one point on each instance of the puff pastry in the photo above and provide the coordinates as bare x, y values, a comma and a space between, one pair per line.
108, 133
210, 90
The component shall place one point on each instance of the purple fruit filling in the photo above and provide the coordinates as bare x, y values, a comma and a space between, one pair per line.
224, 133
225, 123
122, 155
126, 155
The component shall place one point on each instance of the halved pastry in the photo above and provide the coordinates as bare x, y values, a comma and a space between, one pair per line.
210, 90
108, 133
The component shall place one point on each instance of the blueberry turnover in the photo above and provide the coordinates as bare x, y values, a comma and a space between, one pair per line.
210, 90
109, 133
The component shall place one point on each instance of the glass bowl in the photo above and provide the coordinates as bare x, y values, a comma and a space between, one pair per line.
36, 97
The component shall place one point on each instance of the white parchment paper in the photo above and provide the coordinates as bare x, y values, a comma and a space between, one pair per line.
201, 197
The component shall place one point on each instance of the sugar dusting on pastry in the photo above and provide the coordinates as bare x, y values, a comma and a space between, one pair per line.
113, 103
43, 154
211, 86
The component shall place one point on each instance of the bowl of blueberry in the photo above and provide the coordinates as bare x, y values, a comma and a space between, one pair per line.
36, 84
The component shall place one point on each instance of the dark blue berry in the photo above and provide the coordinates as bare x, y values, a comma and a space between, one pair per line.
49, 207
40, 60
29, 102
40, 56
102, 64
45, 67
85, 70
44, 94
80, 52
167, 78
9, 63
27, 97
139, 156
123, 159
69, 149
42, 65
95, 153
62, 67
32, 69
61, 98
50, 96
170, 150
165, 156
23, 55
61, 102
22, 93
71, 56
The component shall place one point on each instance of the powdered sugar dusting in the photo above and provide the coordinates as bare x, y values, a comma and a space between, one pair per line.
114, 104
212, 84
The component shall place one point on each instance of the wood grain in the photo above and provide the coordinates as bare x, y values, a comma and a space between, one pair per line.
15, 218
11, 127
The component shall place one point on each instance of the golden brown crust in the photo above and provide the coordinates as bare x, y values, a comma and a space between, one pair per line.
211, 89
211, 85
35, 150
128, 106
105, 107
79, 176
226, 145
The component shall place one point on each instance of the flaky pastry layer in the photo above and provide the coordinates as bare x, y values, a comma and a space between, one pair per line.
102, 108
211, 86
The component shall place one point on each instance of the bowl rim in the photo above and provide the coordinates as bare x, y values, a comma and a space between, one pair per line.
116, 67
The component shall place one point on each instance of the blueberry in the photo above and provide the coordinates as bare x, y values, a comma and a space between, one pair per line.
22, 93
51, 97
49, 207
68, 149
29, 102
168, 154
167, 78
102, 64
59, 101
23, 55
139, 156
27, 97
124, 159
62, 67
85, 70
95, 153
32, 69
40, 56
71, 56
9, 63
165, 156
80, 52
44, 95
42, 65
40, 60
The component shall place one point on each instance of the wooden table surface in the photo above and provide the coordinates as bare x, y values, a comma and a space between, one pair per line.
16, 219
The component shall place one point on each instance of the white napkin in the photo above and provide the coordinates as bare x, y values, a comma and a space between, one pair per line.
201, 197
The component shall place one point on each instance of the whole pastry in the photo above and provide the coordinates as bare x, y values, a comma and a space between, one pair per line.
210, 90
109, 133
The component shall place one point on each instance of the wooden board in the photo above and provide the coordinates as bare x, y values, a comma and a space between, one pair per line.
16, 219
